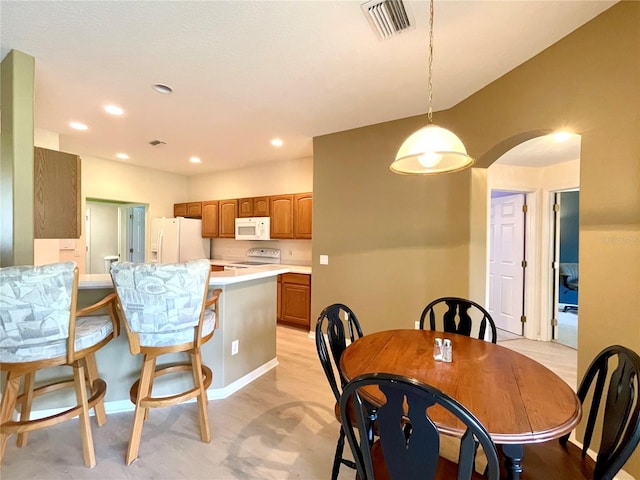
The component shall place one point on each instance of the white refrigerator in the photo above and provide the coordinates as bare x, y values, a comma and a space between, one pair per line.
175, 240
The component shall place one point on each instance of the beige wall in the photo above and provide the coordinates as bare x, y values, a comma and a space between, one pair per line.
408, 239
289, 176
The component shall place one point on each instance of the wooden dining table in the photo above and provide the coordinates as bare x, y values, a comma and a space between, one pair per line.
517, 399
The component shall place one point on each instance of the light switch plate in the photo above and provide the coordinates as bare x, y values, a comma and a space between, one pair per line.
324, 259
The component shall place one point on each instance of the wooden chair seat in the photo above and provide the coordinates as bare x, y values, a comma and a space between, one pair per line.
562, 462
446, 470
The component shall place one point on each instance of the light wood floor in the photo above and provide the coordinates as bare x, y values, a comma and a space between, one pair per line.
279, 427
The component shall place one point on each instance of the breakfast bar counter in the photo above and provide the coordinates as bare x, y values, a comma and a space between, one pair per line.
247, 318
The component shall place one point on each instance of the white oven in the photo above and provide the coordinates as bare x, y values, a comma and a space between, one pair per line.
253, 228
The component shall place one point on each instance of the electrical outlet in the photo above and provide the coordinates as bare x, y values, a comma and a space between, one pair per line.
234, 347
417, 326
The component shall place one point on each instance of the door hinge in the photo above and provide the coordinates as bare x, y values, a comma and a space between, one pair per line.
131, 216
131, 250
556, 207
523, 319
525, 208
524, 264
554, 322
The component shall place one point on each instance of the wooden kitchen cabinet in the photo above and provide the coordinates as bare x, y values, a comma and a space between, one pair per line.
302, 215
210, 220
253, 207
295, 300
188, 210
57, 198
281, 207
228, 211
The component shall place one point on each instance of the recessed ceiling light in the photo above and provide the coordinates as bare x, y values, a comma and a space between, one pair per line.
195, 160
113, 109
276, 142
162, 88
122, 156
561, 136
78, 126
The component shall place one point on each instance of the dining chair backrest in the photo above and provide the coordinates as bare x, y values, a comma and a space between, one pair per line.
621, 413
409, 439
330, 328
456, 317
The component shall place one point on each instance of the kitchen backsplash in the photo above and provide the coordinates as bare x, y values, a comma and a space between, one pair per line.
292, 252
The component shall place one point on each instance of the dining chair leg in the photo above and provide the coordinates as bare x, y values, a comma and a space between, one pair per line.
85, 424
196, 368
92, 376
7, 406
337, 459
25, 407
144, 390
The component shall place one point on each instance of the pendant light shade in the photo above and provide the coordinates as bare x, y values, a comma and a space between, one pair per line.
432, 149
429, 151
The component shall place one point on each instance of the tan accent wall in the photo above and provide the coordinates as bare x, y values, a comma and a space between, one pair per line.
17, 78
395, 242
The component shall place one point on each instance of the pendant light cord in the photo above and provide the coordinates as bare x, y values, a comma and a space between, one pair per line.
430, 114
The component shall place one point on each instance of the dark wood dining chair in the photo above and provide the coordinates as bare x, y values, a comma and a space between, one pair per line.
330, 329
562, 460
453, 315
409, 444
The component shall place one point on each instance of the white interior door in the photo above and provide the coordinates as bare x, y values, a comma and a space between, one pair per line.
136, 234
506, 276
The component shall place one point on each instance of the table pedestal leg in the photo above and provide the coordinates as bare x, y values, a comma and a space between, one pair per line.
513, 460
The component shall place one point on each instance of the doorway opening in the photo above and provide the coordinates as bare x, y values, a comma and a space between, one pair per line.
565, 267
536, 168
114, 231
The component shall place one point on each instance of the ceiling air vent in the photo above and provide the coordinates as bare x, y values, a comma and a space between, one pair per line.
155, 143
388, 17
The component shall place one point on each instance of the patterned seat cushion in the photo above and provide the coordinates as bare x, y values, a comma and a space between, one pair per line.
162, 303
90, 330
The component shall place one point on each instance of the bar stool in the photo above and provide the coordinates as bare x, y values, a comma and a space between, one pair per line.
166, 311
40, 328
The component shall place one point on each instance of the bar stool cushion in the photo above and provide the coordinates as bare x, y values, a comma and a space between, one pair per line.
34, 311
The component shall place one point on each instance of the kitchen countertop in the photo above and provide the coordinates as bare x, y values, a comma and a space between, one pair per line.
103, 280
290, 268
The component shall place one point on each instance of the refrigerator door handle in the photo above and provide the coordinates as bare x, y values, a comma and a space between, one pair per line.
160, 246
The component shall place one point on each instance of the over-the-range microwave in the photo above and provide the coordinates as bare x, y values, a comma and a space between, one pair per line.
253, 228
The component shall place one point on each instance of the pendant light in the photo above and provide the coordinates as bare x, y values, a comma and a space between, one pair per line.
432, 149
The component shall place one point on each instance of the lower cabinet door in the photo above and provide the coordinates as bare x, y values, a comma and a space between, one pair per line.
296, 305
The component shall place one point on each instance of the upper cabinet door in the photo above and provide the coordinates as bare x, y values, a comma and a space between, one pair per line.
303, 215
210, 222
57, 199
245, 207
261, 206
228, 213
281, 207
194, 209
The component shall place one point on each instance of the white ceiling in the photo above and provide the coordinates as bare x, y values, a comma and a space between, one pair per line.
244, 72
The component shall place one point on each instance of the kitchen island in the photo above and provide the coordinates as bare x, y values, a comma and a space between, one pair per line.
247, 315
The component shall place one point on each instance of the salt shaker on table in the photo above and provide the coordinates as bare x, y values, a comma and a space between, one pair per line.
446, 351
437, 350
